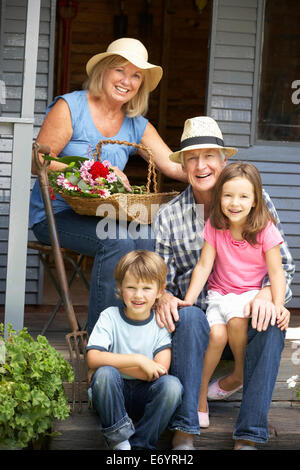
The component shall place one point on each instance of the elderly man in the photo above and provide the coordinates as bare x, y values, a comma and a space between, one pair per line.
178, 232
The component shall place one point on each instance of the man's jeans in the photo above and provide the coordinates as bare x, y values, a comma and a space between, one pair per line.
86, 235
152, 404
262, 360
189, 343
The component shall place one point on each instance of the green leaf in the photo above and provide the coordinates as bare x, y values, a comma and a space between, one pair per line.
73, 179
67, 160
82, 185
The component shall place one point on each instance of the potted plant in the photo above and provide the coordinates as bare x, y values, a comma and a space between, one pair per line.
31, 388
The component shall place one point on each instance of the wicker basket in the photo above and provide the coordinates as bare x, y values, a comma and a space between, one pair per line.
141, 208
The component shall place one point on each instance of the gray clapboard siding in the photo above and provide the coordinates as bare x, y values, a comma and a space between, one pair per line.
233, 88
11, 61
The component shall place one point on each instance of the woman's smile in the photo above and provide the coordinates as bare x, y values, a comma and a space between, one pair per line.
123, 82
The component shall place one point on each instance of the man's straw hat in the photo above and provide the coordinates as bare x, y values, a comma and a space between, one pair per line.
200, 133
133, 51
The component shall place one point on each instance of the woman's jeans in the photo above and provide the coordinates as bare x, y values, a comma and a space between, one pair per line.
104, 239
152, 404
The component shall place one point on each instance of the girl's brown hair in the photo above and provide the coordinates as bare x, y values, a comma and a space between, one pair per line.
259, 215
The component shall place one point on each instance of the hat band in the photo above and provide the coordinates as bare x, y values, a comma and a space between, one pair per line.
201, 140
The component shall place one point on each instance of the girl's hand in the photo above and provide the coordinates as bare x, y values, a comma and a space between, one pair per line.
122, 177
283, 317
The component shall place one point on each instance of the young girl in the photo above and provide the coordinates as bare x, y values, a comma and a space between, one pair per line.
241, 245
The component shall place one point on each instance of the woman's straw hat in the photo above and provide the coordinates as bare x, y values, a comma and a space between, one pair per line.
201, 133
133, 51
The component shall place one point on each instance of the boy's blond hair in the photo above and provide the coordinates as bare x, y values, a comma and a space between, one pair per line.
142, 264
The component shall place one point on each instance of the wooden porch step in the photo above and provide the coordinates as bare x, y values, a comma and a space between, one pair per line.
81, 431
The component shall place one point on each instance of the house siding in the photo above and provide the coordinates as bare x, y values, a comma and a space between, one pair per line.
235, 51
13, 26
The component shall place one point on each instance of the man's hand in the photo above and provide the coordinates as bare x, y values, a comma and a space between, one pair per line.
167, 311
263, 312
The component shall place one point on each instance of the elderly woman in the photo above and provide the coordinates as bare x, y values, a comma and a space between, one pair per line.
111, 106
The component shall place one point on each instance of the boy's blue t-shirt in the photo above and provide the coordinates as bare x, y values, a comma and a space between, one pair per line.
116, 333
83, 143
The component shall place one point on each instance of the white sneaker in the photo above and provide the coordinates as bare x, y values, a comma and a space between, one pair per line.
124, 445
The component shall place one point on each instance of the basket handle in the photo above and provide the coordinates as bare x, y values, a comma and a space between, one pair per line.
151, 175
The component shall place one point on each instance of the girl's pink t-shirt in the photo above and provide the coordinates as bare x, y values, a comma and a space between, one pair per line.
239, 266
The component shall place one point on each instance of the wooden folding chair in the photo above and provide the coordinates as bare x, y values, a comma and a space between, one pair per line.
76, 261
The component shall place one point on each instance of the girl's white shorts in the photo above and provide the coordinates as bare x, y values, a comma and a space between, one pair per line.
221, 308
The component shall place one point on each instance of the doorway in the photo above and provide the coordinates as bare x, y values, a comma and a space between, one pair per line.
176, 34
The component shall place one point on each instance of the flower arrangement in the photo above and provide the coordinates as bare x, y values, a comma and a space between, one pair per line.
87, 178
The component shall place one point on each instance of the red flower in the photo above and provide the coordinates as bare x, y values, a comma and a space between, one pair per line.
98, 169
52, 193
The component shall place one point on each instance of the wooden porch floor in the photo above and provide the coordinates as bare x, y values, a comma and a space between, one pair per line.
81, 430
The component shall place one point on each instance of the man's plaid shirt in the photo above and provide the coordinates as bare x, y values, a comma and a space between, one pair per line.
178, 230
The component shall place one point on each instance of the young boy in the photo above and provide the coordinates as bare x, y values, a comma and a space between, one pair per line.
130, 355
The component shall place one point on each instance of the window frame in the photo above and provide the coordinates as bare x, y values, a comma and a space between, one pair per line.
254, 140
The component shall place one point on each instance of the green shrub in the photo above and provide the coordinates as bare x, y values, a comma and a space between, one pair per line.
31, 387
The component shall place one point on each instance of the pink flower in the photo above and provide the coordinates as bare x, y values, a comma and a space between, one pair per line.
106, 163
61, 179
111, 178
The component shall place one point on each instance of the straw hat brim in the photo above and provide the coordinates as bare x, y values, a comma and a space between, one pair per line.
229, 151
155, 72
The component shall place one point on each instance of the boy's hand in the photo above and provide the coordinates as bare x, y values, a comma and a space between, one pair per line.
90, 375
152, 369
283, 317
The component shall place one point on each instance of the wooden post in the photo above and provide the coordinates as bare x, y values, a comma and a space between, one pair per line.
20, 177
163, 97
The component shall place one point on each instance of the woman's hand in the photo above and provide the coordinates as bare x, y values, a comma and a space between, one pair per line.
122, 177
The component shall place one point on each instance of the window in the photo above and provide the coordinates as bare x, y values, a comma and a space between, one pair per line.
279, 100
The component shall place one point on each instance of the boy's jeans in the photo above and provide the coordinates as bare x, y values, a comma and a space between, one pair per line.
151, 403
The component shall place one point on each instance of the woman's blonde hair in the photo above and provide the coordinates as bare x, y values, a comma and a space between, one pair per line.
259, 215
141, 264
138, 104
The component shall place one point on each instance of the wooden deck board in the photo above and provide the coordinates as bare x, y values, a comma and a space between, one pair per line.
81, 430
